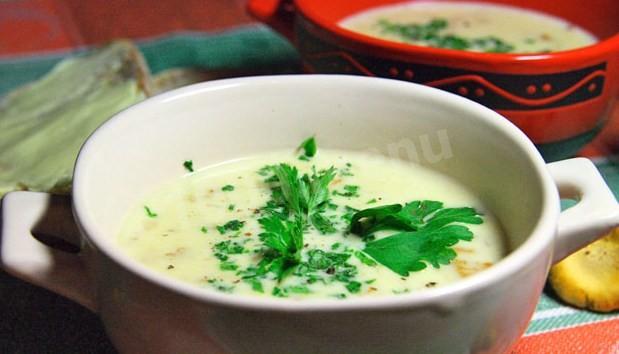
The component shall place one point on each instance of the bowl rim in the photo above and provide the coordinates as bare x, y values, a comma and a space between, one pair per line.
309, 10
540, 241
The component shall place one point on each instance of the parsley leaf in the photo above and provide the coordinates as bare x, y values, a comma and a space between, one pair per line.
285, 239
188, 165
322, 224
309, 147
227, 188
304, 197
318, 185
412, 216
149, 212
223, 249
350, 191
232, 225
427, 233
407, 252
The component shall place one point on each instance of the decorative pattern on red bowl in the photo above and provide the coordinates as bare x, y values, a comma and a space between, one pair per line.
497, 91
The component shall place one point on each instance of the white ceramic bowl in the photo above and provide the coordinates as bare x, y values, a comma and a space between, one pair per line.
144, 146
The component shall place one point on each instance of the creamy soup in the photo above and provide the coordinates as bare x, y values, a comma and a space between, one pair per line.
470, 26
222, 227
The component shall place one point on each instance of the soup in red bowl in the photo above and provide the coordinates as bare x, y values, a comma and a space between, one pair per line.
560, 96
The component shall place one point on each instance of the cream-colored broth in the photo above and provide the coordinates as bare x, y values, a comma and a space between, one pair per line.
526, 31
179, 240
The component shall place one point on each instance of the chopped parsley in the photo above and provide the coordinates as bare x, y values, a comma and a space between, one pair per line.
231, 207
221, 286
309, 148
226, 248
227, 188
363, 258
228, 265
204, 230
348, 214
433, 34
345, 171
265, 171
188, 164
149, 212
232, 225
293, 289
350, 191
353, 287
256, 285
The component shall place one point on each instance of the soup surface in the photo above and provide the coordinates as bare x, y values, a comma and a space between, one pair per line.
470, 26
234, 227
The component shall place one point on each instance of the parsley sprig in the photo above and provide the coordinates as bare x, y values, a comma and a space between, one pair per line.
303, 196
298, 202
427, 232
284, 242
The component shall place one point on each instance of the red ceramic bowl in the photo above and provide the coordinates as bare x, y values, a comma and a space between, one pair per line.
560, 100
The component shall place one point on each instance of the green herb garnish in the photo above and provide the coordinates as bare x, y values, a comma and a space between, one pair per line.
364, 258
322, 224
284, 240
350, 191
227, 188
304, 197
225, 248
428, 233
309, 148
188, 164
348, 214
353, 287
232, 225
432, 34
413, 216
228, 265
204, 230
149, 212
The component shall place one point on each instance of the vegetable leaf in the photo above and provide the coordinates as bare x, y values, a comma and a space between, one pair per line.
188, 164
350, 191
318, 188
149, 212
285, 239
407, 252
427, 233
413, 216
309, 147
232, 225
288, 178
322, 224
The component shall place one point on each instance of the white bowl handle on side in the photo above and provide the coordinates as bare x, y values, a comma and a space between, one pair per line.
596, 212
27, 258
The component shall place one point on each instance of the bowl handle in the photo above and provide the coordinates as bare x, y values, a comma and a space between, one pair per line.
57, 267
278, 14
596, 212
